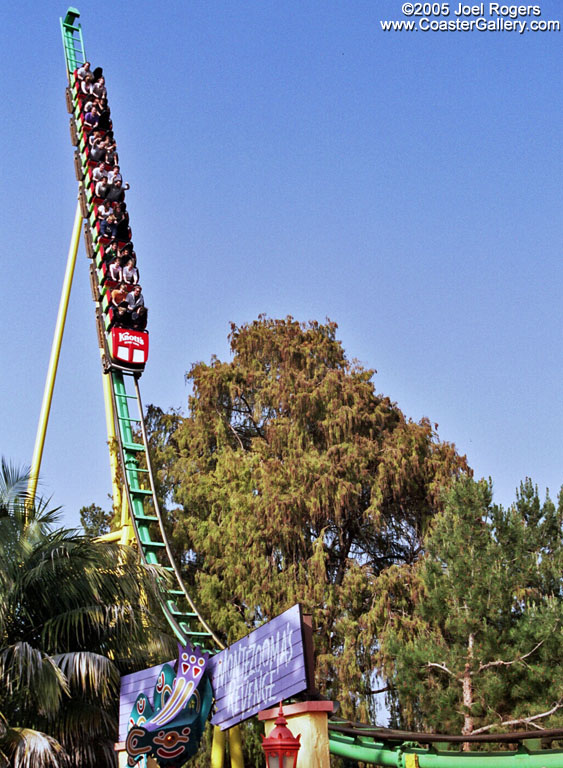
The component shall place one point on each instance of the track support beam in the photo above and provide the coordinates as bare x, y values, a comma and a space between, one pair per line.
54, 359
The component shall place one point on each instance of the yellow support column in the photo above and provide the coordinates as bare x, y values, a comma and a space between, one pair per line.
218, 748
124, 534
127, 532
54, 359
112, 441
235, 748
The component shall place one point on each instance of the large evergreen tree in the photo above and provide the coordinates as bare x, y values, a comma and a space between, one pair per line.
471, 635
298, 483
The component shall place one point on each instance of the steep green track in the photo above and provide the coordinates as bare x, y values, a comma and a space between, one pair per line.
132, 441
148, 523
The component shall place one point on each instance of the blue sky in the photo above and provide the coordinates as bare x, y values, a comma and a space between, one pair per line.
292, 158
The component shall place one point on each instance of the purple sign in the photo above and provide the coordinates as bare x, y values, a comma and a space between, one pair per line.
265, 667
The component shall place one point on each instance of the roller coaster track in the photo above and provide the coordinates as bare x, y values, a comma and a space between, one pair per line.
404, 749
132, 445
148, 524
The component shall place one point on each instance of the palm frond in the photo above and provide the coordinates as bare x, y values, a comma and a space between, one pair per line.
13, 485
76, 628
28, 748
90, 673
88, 732
32, 677
74, 613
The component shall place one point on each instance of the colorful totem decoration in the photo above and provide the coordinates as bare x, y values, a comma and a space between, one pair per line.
171, 728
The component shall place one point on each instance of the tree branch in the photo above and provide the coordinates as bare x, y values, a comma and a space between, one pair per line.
380, 690
521, 721
236, 434
250, 416
500, 663
442, 667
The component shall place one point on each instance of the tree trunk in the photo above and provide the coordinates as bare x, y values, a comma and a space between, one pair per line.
468, 694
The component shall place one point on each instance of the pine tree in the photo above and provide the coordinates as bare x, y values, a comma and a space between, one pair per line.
471, 634
94, 520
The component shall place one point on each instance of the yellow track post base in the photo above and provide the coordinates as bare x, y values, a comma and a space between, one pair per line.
218, 748
235, 748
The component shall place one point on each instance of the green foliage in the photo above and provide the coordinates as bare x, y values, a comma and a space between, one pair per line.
161, 427
95, 521
298, 483
74, 614
471, 634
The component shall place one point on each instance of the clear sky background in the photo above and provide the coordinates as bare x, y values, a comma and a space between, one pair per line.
290, 157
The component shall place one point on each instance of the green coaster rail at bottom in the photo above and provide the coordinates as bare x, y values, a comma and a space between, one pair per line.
384, 747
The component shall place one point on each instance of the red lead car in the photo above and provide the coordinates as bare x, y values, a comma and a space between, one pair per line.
129, 348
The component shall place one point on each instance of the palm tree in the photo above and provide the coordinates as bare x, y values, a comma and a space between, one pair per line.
74, 614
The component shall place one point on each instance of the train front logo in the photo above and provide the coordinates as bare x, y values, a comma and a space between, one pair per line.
129, 347
170, 729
